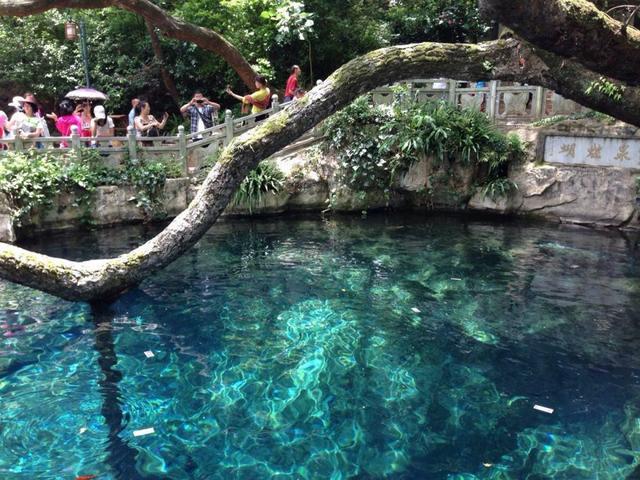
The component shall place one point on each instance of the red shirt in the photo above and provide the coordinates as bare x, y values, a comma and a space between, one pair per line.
292, 86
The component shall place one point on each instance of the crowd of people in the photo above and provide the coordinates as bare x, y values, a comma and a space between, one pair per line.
26, 119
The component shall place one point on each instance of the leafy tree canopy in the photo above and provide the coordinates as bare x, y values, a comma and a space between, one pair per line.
319, 35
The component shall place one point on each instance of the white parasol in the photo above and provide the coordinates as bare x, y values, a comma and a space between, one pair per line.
85, 93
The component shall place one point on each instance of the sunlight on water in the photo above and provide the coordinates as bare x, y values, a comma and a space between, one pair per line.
381, 348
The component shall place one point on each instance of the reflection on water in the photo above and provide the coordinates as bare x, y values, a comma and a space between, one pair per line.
381, 348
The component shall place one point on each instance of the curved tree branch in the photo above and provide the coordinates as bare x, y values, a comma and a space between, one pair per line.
170, 26
573, 29
99, 279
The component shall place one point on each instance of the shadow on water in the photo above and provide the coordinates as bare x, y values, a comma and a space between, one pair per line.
121, 456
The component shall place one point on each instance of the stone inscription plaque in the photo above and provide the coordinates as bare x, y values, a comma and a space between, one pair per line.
600, 152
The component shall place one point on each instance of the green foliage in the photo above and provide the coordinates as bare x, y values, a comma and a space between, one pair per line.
264, 179
414, 21
554, 120
31, 180
499, 187
271, 34
374, 144
33, 56
355, 134
149, 179
606, 88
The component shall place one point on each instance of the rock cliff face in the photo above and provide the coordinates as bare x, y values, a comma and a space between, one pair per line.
602, 196
594, 196
589, 195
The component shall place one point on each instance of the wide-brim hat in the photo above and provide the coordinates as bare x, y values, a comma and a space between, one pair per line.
31, 99
17, 102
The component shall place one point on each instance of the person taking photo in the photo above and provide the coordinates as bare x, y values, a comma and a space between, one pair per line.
202, 111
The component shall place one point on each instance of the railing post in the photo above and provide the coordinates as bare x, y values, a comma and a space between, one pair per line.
75, 140
493, 99
228, 123
540, 101
452, 92
182, 145
410, 92
275, 105
18, 145
133, 143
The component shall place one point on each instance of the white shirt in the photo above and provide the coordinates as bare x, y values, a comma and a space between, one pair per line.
17, 119
102, 131
200, 122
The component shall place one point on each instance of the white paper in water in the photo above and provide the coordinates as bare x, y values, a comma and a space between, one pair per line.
543, 409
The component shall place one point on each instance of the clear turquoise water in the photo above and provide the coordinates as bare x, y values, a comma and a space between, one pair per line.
388, 347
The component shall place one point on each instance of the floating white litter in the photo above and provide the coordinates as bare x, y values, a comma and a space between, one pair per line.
82, 430
149, 354
456, 279
144, 431
543, 409
415, 310
487, 465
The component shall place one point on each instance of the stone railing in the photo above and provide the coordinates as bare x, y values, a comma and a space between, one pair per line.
187, 149
517, 104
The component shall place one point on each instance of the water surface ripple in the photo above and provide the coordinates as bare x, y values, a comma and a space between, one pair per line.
388, 347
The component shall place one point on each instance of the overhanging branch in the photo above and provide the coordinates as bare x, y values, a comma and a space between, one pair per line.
573, 29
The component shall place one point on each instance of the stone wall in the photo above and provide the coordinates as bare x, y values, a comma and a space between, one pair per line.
110, 205
573, 188
581, 172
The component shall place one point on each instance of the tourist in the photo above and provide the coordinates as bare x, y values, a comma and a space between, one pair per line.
3, 121
132, 112
146, 125
17, 117
85, 119
259, 100
299, 93
40, 114
68, 115
102, 125
31, 126
292, 84
202, 111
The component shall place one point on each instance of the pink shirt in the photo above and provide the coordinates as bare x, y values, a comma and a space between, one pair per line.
64, 124
3, 122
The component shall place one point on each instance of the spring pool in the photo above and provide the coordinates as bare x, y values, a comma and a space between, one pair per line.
388, 347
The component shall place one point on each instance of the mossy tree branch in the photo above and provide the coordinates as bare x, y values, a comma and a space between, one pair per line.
101, 279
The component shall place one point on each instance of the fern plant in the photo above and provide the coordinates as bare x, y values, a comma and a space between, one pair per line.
266, 178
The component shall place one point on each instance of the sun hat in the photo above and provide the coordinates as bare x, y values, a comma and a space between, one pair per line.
99, 112
16, 102
31, 99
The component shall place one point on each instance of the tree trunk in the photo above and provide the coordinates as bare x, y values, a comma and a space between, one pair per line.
102, 279
170, 26
167, 79
573, 29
